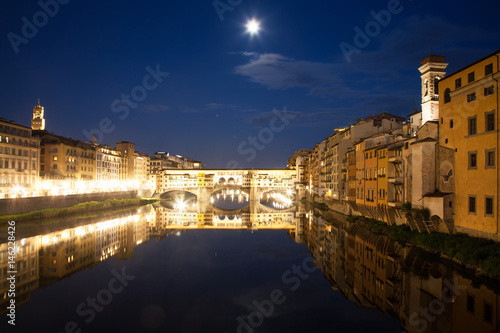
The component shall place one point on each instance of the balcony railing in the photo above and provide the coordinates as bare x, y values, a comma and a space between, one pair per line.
395, 159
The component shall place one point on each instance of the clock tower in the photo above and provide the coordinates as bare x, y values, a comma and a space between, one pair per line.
38, 122
432, 70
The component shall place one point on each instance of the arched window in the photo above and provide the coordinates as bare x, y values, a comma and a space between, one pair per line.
447, 96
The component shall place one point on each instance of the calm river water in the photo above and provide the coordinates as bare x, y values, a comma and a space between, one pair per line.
165, 269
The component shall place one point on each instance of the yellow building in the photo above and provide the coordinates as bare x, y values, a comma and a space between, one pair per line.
469, 124
127, 150
382, 166
360, 173
351, 174
371, 177
66, 159
109, 163
19, 160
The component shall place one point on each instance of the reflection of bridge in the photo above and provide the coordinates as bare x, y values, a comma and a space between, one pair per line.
215, 218
203, 183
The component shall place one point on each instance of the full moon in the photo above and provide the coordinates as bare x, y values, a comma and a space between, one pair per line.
253, 27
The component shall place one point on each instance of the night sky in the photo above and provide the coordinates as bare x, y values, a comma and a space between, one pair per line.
187, 78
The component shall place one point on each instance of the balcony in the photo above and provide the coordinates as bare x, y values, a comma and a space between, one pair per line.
395, 180
395, 159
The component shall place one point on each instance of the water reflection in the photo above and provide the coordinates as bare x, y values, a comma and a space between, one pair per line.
230, 199
277, 199
369, 270
374, 272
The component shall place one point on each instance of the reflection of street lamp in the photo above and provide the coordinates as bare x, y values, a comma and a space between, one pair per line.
180, 205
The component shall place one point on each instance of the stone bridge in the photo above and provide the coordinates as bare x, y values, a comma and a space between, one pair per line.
204, 183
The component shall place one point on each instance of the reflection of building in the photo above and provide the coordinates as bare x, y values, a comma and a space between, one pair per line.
47, 258
375, 272
27, 268
65, 252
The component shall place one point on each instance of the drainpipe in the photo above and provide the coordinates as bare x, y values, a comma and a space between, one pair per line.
497, 145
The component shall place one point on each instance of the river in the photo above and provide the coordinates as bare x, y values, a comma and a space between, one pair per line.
171, 268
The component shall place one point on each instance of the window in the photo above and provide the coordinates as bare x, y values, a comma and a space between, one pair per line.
54, 158
470, 77
489, 91
471, 97
451, 123
473, 160
472, 125
488, 317
489, 155
54, 166
458, 83
470, 303
472, 204
490, 121
447, 95
488, 69
488, 206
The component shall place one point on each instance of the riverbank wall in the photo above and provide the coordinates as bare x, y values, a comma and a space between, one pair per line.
25, 205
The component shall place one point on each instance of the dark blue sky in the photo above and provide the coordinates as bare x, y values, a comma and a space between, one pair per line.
223, 84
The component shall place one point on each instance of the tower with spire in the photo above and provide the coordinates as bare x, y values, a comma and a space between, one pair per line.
432, 70
38, 122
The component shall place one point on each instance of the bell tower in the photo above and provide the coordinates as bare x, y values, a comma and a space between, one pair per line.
432, 69
38, 122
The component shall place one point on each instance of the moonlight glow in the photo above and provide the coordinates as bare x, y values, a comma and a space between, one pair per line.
253, 27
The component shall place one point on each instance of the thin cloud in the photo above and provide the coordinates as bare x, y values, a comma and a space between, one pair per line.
150, 108
278, 72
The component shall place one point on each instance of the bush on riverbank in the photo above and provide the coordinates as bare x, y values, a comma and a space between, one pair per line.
469, 250
81, 208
